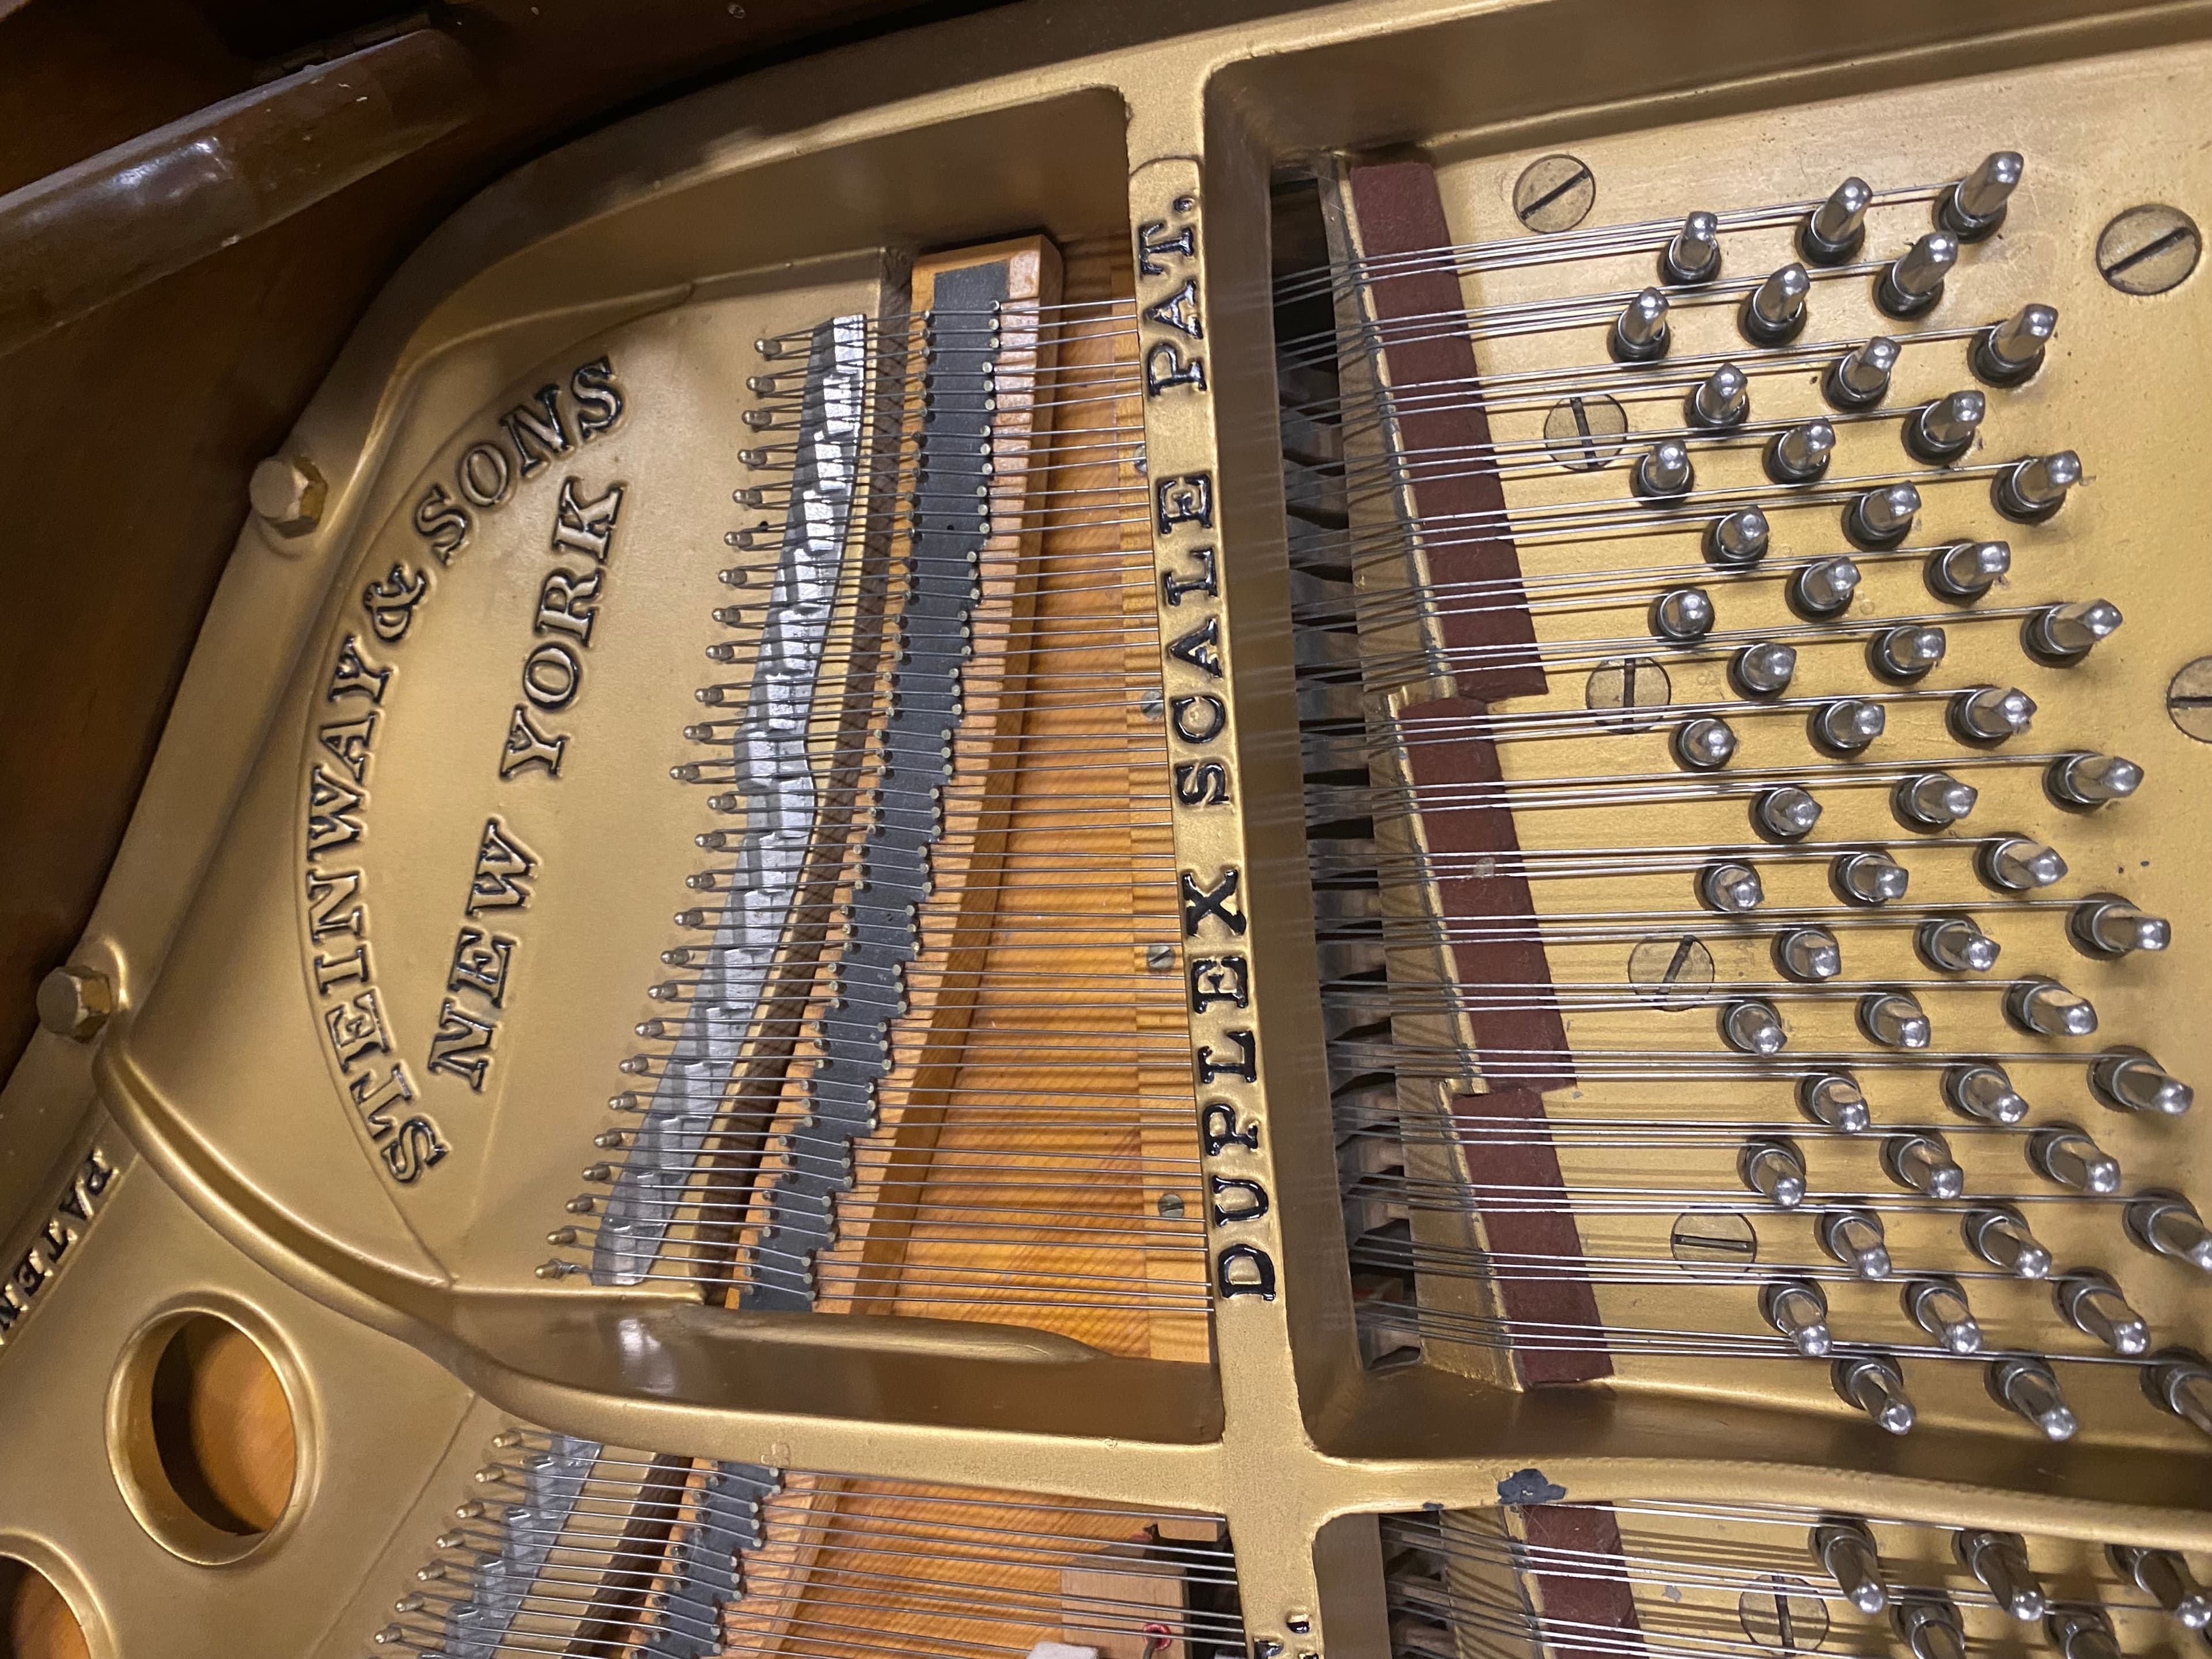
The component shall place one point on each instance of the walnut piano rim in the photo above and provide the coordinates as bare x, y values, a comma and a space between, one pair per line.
1283, 1430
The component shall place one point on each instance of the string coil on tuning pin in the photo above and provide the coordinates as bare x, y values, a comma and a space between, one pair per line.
1867, 879
1981, 1090
2180, 1381
2044, 1007
1882, 517
1893, 1019
2081, 1632
1854, 1237
1798, 1309
1764, 670
2069, 1158
1682, 615
1859, 378
1846, 726
2000, 1560
1875, 1384
1998, 1234
1905, 654
1750, 1026
1663, 476
1927, 1623
1955, 944
1834, 1099
2089, 779
2062, 635
1640, 334
2017, 865
1786, 814
2131, 1080
1704, 744
1719, 403
2090, 1301
2164, 1576
1922, 1163
1833, 233
2033, 490
1968, 570
2010, 352
2030, 1388
1773, 1168
2167, 1224
2106, 925
1823, 589
1990, 714
1938, 1304
1800, 453
1692, 255
1807, 955
1730, 888
1738, 540
1974, 207
1845, 1550
1942, 432
1912, 283
1933, 800
1774, 313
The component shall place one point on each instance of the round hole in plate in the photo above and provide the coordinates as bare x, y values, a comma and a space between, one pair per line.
201, 1434
35, 1622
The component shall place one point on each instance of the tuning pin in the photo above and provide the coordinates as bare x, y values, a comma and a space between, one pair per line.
1798, 1309
1955, 944
1906, 652
1693, 255
1927, 1624
2081, 1632
1788, 813
1869, 878
1847, 725
1923, 1161
2091, 1303
2089, 779
1875, 1384
2018, 865
2031, 1388
1732, 888
1999, 1560
2033, 490
1859, 378
1775, 1170
1801, 454
1882, 517
1833, 1098
2106, 925
1807, 955
2165, 1576
1704, 744
1938, 1305
1846, 1553
1933, 800
1720, 401
1833, 232
1913, 283
1999, 1234
2044, 1007
1764, 670
1751, 1026
1893, 1019
2007, 353
1854, 1237
1640, 334
2167, 1224
1941, 432
1981, 1091
1975, 206
2066, 633
2131, 1080
2064, 1154
1989, 714
1664, 473
1682, 615
1738, 540
1824, 587
1774, 313
1966, 570
2180, 1382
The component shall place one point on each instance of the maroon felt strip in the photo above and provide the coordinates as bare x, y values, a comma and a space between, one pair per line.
1525, 1044
1486, 629
1529, 1223
1589, 1609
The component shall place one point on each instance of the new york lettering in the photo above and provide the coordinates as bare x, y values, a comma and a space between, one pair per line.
550, 424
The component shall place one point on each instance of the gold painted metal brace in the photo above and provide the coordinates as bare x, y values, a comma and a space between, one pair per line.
1229, 847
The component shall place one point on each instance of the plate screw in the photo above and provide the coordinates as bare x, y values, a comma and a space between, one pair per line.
1714, 1238
1671, 971
1585, 434
76, 1002
1554, 193
1629, 683
288, 491
2148, 249
2188, 699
